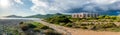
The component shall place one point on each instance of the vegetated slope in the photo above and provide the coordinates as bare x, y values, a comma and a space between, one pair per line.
36, 28
24, 27
102, 23
44, 16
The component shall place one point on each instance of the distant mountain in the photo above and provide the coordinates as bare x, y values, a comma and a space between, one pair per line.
38, 16
13, 16
44, 16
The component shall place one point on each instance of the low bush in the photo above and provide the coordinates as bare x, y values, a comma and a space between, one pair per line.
69, 25
62, 24
36, 29
83, 24
45, 27
31, 26
24, 27
104, 26
51, 32
109, 25
84, 27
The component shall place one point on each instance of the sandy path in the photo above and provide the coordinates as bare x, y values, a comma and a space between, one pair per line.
94, 33
86, 32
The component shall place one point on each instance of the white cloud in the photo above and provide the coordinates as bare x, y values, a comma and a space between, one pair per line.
104, 1
19, 1
39, 3
7, 7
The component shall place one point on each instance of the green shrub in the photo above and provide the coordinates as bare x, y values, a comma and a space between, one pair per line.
36, 30
62, 24
69, 25
51, 32
31, 26
45, 27
58, 19
21, 22
83, 24
84, 27
103, 26
109, 25
24, 27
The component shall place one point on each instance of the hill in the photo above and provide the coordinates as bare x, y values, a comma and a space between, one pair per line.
44, 16
13, 16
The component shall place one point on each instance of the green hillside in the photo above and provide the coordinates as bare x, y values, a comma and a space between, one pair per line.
44, 16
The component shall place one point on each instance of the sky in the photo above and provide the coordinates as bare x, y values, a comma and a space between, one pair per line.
32, 7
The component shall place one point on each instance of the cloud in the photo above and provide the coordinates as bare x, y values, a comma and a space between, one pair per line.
104, 1
8, 7
39, 6
19, 1
10, 3
65, 6
62, 6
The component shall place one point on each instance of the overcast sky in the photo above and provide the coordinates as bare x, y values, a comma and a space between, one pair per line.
32, 7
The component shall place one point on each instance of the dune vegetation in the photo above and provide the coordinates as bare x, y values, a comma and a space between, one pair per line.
101, 23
